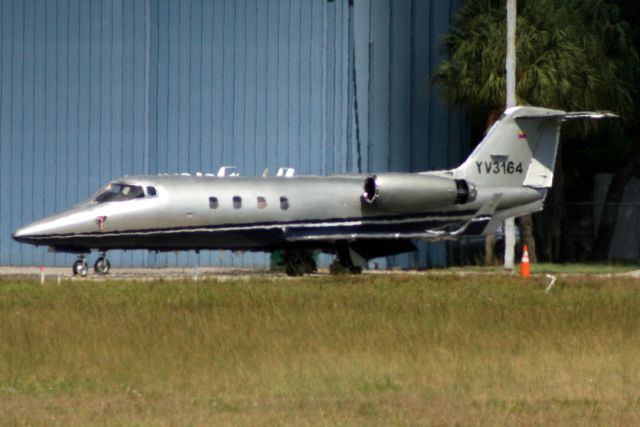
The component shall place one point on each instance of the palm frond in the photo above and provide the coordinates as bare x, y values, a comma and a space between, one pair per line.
571, 54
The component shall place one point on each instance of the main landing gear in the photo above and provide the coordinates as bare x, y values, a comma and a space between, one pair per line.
81, 268
347, 261
299, 262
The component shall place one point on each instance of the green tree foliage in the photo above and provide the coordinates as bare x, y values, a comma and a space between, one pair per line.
571, 55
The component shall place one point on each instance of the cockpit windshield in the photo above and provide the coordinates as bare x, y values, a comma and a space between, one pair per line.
116, 192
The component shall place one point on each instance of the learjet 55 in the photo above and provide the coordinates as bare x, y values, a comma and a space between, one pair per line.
357, 217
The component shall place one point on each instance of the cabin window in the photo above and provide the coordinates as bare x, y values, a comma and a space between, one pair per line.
237, 202
151, 191
119, 192
213, 203
262, 202
284, 203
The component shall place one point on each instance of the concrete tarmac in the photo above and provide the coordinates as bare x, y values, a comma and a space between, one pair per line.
221, 273
177, 273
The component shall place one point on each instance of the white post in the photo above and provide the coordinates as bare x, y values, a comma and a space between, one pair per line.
511, 53
509, 223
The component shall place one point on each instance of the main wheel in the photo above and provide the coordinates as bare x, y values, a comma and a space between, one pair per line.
294, 270
102, 265
298, 262
80, 268
355, 269
343, 262
339, 266
310, 265
336, 268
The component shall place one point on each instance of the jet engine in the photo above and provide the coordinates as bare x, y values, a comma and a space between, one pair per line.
400, 192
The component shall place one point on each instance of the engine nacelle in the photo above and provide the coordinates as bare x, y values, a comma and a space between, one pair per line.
408, 192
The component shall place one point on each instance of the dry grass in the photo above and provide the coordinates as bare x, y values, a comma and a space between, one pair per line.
370, 350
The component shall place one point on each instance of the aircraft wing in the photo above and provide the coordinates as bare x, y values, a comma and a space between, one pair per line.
479, 221
474, 226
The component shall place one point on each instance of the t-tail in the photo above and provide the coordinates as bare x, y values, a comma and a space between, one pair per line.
520, 148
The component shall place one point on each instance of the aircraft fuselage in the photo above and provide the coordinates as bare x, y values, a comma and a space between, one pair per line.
238, 213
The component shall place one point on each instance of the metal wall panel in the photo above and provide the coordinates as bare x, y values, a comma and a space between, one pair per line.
264, 86
72, 108
408, 126
94, 89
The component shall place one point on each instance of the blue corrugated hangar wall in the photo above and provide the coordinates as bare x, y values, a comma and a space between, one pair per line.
91, 90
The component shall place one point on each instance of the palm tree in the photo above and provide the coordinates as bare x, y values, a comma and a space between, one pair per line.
571, 55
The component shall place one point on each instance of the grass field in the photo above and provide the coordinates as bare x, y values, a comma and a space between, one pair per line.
401, 349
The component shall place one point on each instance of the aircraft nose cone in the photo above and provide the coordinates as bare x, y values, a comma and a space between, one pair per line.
48, 230
23, 234
35, 232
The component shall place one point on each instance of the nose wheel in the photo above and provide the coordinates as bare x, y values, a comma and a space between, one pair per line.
80, 267
102, 265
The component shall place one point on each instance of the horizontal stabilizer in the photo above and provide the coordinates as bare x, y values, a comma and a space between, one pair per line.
573, 115
540, 171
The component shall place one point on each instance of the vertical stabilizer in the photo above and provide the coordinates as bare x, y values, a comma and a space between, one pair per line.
520, 148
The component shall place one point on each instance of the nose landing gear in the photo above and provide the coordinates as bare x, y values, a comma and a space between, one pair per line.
102, 265
80, 267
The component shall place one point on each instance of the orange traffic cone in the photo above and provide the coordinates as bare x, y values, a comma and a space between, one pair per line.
525, 268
